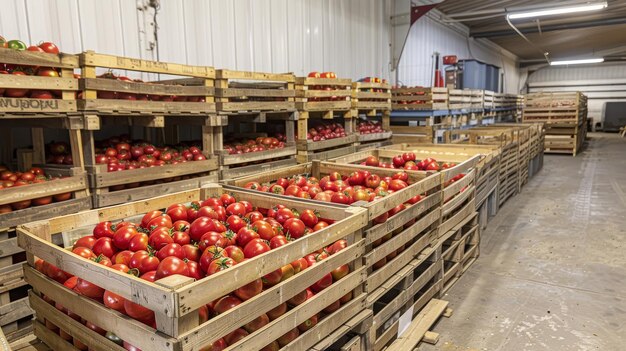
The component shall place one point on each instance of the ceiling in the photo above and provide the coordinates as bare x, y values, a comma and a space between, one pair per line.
599, 33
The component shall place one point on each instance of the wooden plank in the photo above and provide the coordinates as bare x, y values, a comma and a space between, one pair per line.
15, 311
288, 150
36, 82
28, 105
420, 325
35, 191
32, 58
52, 339
37, 213
9, 247
92, 59
105, 84
231, 74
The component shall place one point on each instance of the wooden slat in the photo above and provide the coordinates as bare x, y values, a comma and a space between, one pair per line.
420, 325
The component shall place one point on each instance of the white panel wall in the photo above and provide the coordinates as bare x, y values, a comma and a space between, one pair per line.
601, 83
349, 37
427, 36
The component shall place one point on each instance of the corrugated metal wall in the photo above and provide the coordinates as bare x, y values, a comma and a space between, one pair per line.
427, 36
601, 83
349, 37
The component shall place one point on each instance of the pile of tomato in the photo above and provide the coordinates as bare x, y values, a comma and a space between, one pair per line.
370, 127
409, 162
34, 175
199, 240
357, 186
24, 70
326, 131
241, 146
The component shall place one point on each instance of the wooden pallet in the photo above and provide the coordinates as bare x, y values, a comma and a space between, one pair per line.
91, 84
245, 92
563, 139
347, 336
476, 98
177, 322
371, 98
404, 295
66, 85
324, 96
507, 101
419, 98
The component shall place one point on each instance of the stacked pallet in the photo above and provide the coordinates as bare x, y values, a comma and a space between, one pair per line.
176, 300
419, 98
564, 116
324, 103
371, 103
255, 105
459, 99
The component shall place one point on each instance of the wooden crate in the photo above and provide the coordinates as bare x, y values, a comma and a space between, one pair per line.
175, 299
487, 168
476, 98
488, 99
91, 84
404, 295
506, 101
143, 183
419, 98
561, 108
565, 139
242, 126
456, 196
372, 137
459, 99
63, 88
413, 134
254, 92
327, 97
347, 337
460, 248
309, 150
15, 313
371, 98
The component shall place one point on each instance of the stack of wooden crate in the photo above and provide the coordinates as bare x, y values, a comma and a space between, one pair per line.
371, 101
255, 105
419, 98
150, 106
323, 101
564, 116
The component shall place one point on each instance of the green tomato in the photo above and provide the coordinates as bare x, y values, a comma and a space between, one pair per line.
114, 338
17, 45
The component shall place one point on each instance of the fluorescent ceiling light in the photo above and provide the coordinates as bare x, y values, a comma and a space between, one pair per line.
576, 62
559, 10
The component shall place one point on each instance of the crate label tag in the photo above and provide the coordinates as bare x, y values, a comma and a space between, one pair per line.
405, 321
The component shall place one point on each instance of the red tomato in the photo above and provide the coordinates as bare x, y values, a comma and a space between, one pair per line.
49, 47
162, 220
211, 253
122, 237
278, 241
294, 228
194, 270
323, 283
226, 303
148, 263
158, 240
308, 324
250, 290
337, 246
236, 208
272, 278
288, 337
139, 312
234, 336
309, 218
397, 184
245, 235
254, 216
83, 252
298, 299
264, 229
235, 223
340, 272
114, 301
103, 229
172, 249
299, 265
220, 264
104, 246
88, 289
181, 238
192, 253
177, 212
255, 247
170, 266
138, 242
257, 323
234, 252
227, 199
212, 239
148, 217
85, 241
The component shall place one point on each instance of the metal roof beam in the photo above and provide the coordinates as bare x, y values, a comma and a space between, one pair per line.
548, 28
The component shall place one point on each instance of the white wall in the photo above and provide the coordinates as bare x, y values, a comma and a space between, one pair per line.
601, 83
349, 37
427, 36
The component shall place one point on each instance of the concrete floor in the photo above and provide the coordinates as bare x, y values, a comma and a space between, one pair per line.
552, 268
